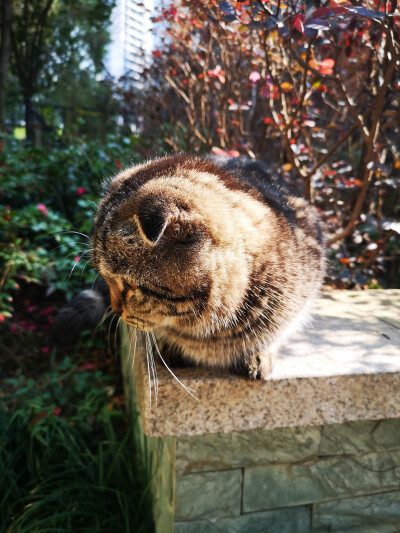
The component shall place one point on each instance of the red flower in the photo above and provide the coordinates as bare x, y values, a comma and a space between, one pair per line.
46, 311
80, 191
2, 317
46, 349
254, 76
57, 411
218, 151
87, 366
43, 209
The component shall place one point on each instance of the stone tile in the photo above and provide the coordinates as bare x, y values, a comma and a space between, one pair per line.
360, 437
317, 481
208, 495
294, 520
222, 451
378, 513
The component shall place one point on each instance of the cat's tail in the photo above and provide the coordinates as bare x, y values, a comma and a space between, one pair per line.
84, 312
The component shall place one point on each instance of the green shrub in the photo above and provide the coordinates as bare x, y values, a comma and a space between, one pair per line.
69, 459
46, 196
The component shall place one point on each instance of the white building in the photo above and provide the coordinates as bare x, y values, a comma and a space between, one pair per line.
131, 38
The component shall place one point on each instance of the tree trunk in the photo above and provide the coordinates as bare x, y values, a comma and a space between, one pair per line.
29, 123
5, 46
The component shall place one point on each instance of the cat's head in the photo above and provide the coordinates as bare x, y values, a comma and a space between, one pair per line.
167, 242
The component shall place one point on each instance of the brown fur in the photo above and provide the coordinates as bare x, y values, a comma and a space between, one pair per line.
217, 262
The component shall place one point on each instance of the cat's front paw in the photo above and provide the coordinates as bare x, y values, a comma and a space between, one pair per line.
253, 368
260, 365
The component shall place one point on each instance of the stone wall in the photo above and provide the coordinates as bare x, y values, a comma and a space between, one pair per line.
335, 478
314, 449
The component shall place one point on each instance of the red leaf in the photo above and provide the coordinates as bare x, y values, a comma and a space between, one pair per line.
326, 66
328, 11
297, 22
268, 120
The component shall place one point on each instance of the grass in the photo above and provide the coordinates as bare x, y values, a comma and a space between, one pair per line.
68, 456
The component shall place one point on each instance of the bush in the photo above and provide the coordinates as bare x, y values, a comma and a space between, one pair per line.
69, 458
47, 202
313, 89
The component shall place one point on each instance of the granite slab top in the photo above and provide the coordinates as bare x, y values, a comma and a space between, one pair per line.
344, 366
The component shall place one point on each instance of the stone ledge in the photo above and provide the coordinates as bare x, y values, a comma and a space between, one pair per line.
344, 367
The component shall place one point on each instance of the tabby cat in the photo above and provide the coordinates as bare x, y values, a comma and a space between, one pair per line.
213, 257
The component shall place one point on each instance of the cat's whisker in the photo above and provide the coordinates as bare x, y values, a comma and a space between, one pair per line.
78, 258
187, 389
115, 333
130, 331
109, 331
70, 231
148, 369
134, 332
76, 262
94, 281
153, 367
107, 314
66, 244
88, 272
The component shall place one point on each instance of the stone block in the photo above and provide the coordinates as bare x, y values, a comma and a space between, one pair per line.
223, 451
208, 495
160, 457
360, 437
330, 478
378, 513
293, 520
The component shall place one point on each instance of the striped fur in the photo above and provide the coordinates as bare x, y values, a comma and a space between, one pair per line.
213, 256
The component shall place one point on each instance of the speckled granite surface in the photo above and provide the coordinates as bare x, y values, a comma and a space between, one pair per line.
344, 367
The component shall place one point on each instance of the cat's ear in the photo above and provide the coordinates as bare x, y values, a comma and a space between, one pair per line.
153, 217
